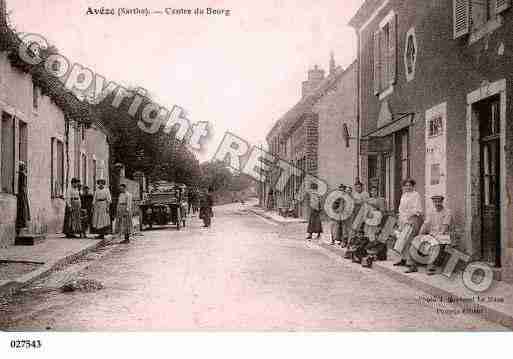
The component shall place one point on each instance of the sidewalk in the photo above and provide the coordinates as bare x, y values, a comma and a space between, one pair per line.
274, 216
496, 304
22, 265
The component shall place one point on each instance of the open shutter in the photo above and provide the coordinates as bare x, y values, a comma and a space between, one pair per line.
392, 63
501, 5
377, 62
461, 17
16, 163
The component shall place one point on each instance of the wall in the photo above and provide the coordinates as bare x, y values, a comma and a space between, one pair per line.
43, 124
447, 70
336, 162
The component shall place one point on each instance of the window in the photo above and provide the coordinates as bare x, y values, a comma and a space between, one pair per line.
405, 156
8, 159
93, 169
385, 54
35, 97
473, 15
57, 170
84, 170
436, 126
23, 141
372, 168
84, 129
388, 180
410, 54
435, 174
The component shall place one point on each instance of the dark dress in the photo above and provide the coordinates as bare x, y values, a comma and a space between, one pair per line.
87, 205
314, 222
206, 213
23, 209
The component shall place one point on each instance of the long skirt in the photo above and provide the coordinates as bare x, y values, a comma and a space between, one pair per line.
124, 221
206, 215
101, 218
314, 223
22, 210
337, 231
72, 219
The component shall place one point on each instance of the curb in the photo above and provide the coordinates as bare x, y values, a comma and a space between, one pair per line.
9, 287
270, 218
485, 312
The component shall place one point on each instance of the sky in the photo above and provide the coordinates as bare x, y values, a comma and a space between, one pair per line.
240, 72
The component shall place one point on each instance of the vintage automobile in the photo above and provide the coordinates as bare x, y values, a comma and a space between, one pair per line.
164, 204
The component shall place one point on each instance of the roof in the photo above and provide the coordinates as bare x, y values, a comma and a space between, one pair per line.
288, 121
363, 13
72, 107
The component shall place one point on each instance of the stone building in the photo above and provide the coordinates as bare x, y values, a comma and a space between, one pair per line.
310, 136
49, 131
435, 82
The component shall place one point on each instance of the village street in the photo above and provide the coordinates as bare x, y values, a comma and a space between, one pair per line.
243, 273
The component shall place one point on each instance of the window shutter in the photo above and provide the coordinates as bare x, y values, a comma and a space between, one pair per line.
392, 64
16, 164
377, 62
384, 59
501, 5
461, 17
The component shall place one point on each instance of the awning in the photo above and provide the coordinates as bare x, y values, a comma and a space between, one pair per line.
403, 121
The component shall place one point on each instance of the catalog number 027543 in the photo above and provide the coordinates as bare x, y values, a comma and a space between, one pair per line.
26, 344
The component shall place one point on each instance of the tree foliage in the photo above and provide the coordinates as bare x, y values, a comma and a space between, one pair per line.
216, 175
160, 156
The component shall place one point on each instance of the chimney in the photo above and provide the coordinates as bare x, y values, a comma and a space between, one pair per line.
315, 76
332, 64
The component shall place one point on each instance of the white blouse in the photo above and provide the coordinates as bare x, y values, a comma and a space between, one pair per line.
410, 205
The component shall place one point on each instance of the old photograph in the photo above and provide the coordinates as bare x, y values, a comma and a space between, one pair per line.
241, 166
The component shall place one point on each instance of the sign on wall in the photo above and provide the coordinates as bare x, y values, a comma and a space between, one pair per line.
436, 153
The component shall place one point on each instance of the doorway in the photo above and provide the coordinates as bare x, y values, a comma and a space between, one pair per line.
488, 112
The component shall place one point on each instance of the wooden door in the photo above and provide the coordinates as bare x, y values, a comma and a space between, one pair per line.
489, 113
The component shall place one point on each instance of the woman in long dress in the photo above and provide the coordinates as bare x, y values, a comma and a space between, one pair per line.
101, 203
337, 228
359, 197
72, 219
124, 213
206, 213
22, 209
314, 222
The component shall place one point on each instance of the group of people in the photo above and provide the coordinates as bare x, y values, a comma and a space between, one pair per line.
91, 212
361, 242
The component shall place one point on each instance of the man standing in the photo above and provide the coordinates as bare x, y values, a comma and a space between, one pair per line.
437, 224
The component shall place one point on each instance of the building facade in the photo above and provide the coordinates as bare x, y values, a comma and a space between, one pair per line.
435, 84
310, 136
36, 130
